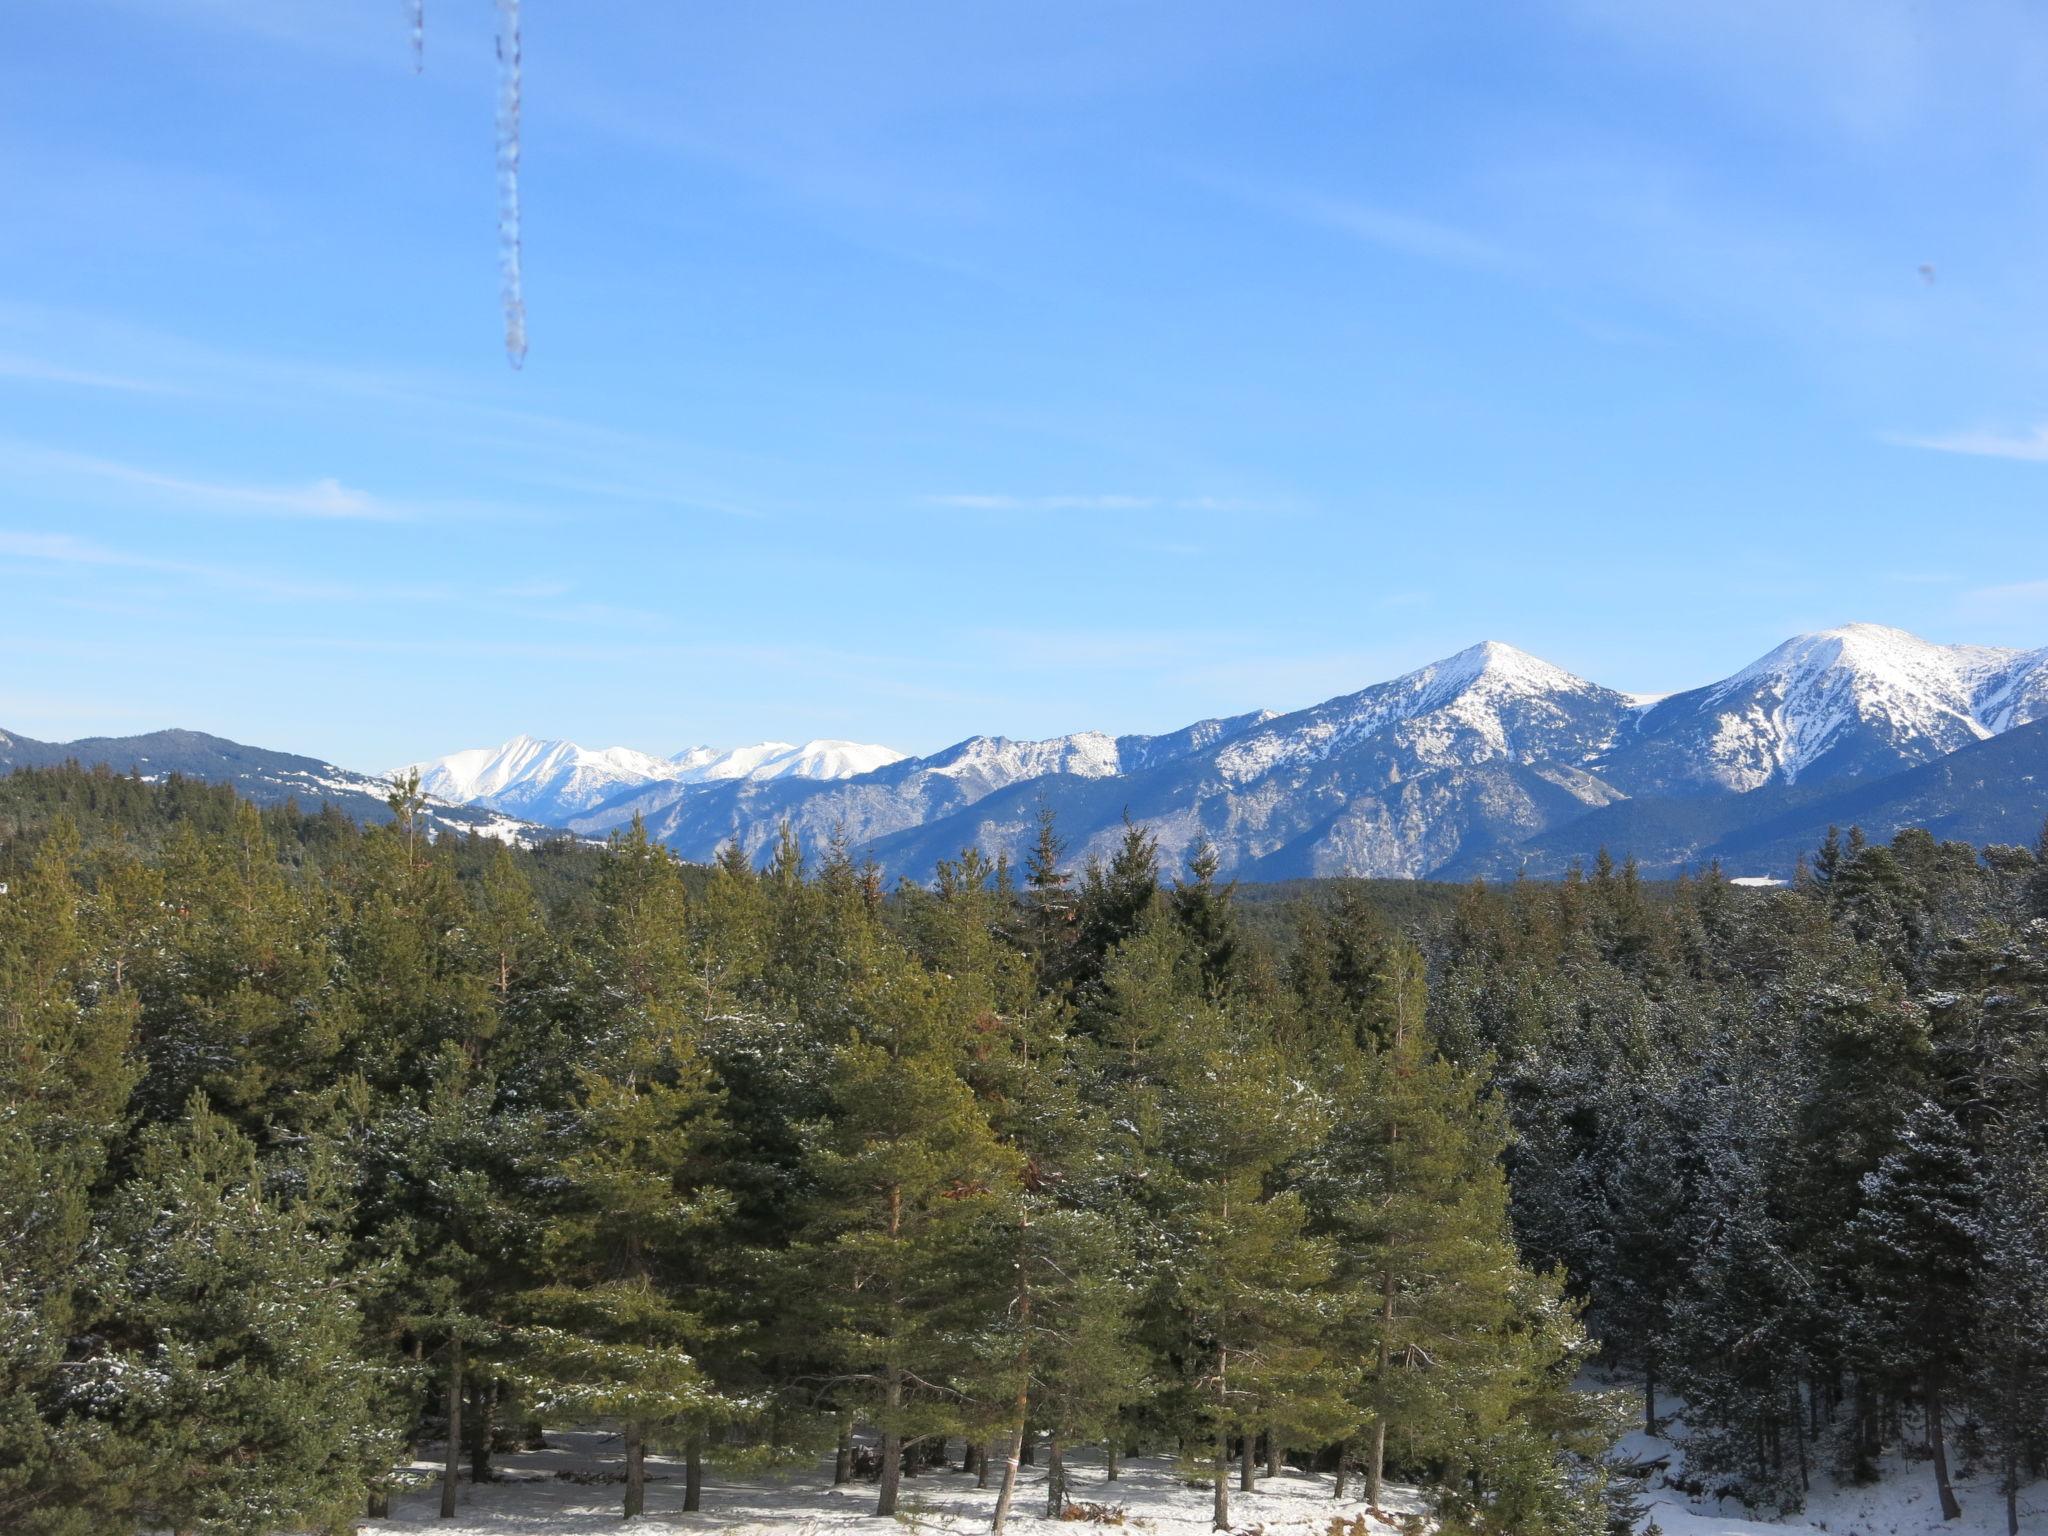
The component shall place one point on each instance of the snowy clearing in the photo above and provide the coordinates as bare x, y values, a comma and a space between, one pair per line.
530, 1497
1901, 1503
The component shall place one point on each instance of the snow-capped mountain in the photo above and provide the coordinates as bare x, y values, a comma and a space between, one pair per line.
264, 776
780, 760
559, 781
1488, 702
1453, 767
1487, 762
1841, 703
547, 779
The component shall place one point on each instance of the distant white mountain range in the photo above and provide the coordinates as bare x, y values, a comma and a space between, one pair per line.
558, 781
1473, 764
1488, 762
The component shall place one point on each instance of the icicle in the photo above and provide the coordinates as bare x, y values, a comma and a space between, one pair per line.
418, 8
508, 182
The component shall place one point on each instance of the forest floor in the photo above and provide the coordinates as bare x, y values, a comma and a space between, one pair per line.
1903, 1502
529, 1498
574, 1487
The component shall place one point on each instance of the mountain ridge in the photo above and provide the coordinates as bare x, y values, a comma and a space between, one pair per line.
1490, 762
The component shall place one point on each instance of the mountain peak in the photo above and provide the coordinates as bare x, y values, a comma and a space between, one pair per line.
1504, 665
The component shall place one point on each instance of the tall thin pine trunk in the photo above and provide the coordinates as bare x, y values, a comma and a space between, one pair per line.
892, 1441
1937, 1442
842, 1459
1343, 1457
1055, 1479
453, 1470
1007, 1489
693, 1472
1376, 1463
636, 1469
482, 1424
1219, 1518
1244, 1463
1272, 1451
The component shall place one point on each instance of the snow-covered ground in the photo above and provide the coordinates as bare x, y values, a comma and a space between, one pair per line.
1902, 1503
531, 1500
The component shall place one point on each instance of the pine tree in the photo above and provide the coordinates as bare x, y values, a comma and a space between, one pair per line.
228, 1356
905, 1169
620, 1327
65, 1079
2010, 1385
1919, 1240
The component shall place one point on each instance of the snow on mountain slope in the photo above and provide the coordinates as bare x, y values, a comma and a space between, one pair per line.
1837, 703
778, 759
1471, 758
1489, 701
529, 775
559, 781
2014, 694
262, 776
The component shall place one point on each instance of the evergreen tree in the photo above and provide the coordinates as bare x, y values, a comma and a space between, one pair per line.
227, 1337
905, 1167
1919, 1240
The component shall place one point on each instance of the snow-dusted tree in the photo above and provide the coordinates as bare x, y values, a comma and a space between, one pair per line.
2009, 1389
1918, 1240
227, 1332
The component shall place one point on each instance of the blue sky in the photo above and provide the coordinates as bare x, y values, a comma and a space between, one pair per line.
902, 371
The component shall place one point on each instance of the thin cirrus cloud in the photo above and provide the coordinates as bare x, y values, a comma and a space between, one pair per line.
1370, 223
62, 549
35, 370
2024, 447
976, 501
325, 498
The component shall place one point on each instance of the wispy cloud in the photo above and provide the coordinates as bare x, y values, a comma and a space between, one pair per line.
1371, 223
977, 501
2026, 447
324, 499
63, 549
1392, 229
35, 370
2011, 598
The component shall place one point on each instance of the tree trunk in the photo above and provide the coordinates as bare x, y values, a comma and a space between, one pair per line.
1055, 1480
378, 1505
842, 1460
636, 1469
2012, 1494
1112, 1456
1272, 1451
482, 1399
1244, 1463
1376, 1465
1937, 1443
981, 1469
1007, 1489
693, 1472
1343, 1456
892, 1442
1650, 1396
1220, 1517
454, 1429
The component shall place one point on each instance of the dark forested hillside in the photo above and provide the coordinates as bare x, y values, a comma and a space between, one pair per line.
322, 1143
